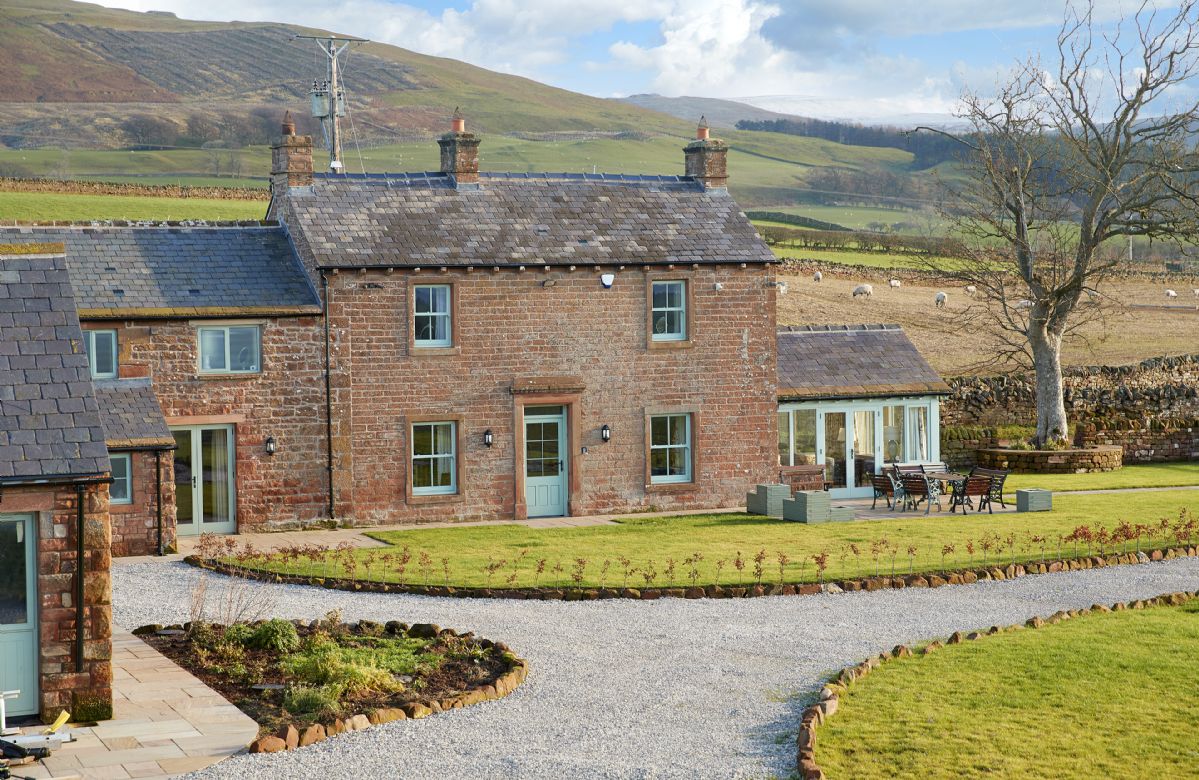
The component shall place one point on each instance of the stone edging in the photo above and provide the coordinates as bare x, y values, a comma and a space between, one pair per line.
290, 737
830, 695
965, 576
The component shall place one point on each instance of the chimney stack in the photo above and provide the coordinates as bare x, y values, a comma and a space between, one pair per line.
707, 158
460, 153
291, 159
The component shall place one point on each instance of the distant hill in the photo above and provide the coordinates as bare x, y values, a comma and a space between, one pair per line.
720, 113
119, 95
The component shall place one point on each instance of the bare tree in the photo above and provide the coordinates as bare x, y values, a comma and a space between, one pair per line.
1065, 165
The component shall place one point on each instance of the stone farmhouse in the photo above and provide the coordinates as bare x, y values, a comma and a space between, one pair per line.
401, 349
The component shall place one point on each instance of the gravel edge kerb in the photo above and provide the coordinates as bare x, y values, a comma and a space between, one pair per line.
830, 695
964, 576
289, 737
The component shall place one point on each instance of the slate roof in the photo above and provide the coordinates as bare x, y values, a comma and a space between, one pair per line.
49, 420
852, 361
514, 219
179, 271
131, 414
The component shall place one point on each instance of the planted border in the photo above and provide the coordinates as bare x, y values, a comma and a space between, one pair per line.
963, 576
291, 737
814, 716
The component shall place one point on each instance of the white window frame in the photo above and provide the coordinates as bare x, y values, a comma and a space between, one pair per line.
226, 330
686, 446
447, 315
89, 337
681, 309
127, 480
452, 455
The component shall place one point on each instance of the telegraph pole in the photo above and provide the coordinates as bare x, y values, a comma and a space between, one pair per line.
328, 98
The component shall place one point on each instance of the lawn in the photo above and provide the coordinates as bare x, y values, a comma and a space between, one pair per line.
1104, 695
1145, 475
46, 206
510, 555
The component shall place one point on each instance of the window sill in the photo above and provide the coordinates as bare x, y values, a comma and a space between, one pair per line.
434, 498
667, 345
435, 351
219, 377
670, 487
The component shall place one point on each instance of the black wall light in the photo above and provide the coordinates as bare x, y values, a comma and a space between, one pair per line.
271, 445
606, 433
488, 438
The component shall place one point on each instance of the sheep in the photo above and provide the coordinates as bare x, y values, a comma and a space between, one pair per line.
971, 289
941, 299
1171, 294
866, 290
895, 284
1196, 291
1023, 303
816, 277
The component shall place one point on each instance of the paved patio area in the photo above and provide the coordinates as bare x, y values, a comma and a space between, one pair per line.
166, 723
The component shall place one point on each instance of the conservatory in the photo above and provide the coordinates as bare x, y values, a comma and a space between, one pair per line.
853, 399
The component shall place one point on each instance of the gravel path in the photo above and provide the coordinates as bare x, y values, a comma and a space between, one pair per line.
621, 689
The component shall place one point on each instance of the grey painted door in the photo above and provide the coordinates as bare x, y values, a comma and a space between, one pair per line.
18, 613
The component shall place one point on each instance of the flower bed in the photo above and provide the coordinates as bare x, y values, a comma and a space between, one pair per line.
859, 754
305, 682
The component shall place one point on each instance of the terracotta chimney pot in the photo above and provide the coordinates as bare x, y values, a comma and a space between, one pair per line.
289, 125
701, 132
458, 122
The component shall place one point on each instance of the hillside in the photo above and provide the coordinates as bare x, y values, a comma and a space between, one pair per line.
724, 114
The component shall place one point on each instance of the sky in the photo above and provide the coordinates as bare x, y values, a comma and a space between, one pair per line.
856, 59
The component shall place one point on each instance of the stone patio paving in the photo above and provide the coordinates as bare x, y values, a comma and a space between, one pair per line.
166, 723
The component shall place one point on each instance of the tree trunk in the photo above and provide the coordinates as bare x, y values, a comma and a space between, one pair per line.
1051, 403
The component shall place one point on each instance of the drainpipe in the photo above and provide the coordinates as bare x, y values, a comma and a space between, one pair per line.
158, 496
80, 490
328, 394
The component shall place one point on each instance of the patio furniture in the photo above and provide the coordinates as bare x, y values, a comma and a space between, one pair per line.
886, 487
915, 469
1034, 500
804, 477
934, 468
970, 488
998, 477
917, 488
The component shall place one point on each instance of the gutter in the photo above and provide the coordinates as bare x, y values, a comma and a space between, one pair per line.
80, 490
531, 266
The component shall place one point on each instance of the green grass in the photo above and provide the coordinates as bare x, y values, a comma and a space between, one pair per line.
1104, 695
858, 217
648, 542
1147, 475
43, 206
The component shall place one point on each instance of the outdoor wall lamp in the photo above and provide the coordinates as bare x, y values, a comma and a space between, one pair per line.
487, 437
271, 445
606, 433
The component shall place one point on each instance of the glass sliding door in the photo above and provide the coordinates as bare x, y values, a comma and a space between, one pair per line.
864, 456
837, 471
204, 480
918, 427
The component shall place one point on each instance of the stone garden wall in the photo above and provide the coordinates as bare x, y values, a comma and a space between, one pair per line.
1151, 409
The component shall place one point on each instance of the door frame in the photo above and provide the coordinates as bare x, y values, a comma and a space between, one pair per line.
33, 624
571, 404
564, 453
197, 525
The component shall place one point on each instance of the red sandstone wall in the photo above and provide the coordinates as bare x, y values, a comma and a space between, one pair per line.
135, 525
511, 326
86, 694
285, 400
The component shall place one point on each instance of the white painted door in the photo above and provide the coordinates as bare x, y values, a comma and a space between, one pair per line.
18, 613
545, 461
204, 480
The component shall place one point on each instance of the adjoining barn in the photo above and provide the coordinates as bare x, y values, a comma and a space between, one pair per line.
853, 398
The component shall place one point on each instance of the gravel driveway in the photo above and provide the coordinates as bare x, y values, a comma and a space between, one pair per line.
620, 689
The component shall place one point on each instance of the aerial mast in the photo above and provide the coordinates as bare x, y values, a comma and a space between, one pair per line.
328, 97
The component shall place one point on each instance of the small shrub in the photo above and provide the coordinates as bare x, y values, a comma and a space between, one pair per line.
317, 701
239, 633
278, 635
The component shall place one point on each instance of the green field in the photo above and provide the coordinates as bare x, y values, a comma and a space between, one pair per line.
1102, 695
859, 217
650, 542
1141, 475
871, 259
44, 207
